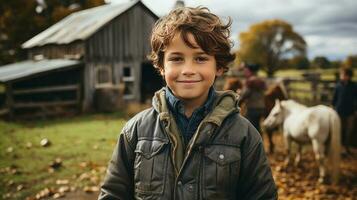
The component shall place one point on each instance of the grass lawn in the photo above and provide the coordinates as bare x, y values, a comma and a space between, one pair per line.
83, 143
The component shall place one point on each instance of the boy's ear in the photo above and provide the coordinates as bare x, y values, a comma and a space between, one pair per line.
162, 72
219, 71
160, 69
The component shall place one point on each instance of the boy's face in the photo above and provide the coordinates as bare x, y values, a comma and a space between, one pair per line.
344, 76
189, 72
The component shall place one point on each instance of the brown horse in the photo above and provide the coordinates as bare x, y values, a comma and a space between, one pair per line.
274, 91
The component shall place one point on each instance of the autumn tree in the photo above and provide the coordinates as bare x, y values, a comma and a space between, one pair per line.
270, 42
335, 64
299, 62
321, 62
22, 19
351, 61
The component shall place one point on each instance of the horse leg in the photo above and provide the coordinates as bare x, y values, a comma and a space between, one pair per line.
287, 141
319, 150
270, 139
298, 155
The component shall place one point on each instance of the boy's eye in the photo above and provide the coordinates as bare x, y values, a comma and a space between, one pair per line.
201, 59
175, 59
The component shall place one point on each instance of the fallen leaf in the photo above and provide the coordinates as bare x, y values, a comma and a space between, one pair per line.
45, 142
29, 145
64, 189
9, 150
62, 182
20, 187
90, 189
7, 195
58, 195
44, 193
83, 164
84, 176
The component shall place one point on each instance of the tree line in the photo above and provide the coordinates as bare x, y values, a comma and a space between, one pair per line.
20, 20
274, 45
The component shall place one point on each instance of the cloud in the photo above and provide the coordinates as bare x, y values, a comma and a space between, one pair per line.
328, 26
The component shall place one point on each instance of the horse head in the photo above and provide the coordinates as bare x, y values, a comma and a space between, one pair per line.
275, 91
276, 116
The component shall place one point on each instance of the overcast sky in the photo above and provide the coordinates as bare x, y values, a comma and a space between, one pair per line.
328, 26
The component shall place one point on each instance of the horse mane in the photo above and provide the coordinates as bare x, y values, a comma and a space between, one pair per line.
277, 91
292, 104
283, 89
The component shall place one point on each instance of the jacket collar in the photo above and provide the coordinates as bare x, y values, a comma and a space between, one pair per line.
176, 105
224, 104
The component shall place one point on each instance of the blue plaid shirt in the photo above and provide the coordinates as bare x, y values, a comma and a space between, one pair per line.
188, 126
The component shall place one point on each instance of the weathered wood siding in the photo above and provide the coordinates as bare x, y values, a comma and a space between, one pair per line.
124, 41
125, 38
73, 50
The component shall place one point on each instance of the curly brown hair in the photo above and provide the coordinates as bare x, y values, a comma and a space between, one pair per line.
209, 32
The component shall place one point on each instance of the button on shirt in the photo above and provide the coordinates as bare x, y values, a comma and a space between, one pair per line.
188, 126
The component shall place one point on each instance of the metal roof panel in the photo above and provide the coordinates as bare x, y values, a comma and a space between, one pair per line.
79, 25
30, 67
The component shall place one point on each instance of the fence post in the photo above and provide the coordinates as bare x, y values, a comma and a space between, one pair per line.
314, 83
9, 99
286, 83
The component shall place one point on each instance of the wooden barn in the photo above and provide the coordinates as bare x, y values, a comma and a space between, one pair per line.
94, 55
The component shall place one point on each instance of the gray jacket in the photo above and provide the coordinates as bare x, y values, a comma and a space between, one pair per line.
225, 159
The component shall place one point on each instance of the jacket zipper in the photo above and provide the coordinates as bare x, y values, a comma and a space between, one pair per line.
200, 174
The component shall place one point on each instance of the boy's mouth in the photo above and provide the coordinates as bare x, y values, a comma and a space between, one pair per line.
189, 81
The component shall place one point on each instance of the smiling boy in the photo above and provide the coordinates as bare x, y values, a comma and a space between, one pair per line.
192, 143
189, 72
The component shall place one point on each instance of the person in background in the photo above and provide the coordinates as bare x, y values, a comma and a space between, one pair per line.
252, 95
345, 103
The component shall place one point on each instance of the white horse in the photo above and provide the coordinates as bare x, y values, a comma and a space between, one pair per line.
320, 124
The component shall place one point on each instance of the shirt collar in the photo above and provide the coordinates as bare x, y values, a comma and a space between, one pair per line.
176, 104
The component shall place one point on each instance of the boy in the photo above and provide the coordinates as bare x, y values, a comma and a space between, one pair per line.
192, 144
345, 103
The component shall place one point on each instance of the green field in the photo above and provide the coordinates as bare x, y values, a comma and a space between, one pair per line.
2, 88
326, 74
83, 143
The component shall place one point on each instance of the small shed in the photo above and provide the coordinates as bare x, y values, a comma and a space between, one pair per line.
41, 88
110, 42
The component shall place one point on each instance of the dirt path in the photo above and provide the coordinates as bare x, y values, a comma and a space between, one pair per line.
301, 182
80, 195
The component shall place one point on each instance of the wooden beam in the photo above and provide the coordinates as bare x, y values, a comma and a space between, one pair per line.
9, 99
47, 89
4, 111
45, 104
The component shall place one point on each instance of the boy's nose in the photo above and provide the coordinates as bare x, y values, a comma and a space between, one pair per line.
188, 69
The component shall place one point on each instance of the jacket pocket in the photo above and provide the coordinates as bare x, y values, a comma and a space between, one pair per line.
150, 166
220, 171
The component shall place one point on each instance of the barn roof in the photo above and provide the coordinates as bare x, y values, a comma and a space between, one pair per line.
30, 67
80, 25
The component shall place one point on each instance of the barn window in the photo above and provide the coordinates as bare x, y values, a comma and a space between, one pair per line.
128, 78
103, 76
127, 71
